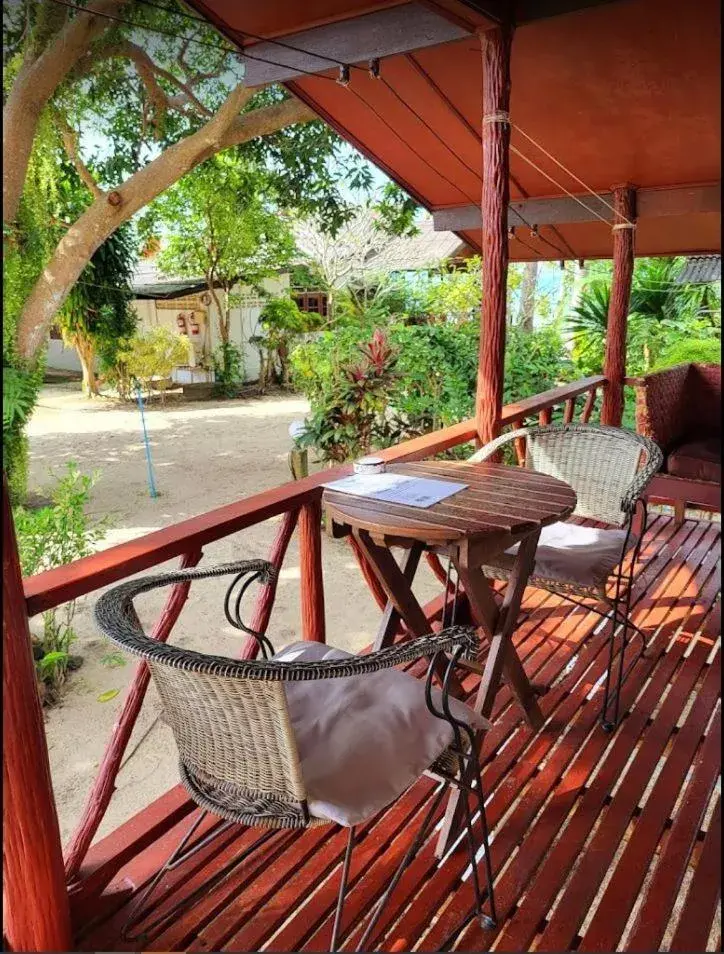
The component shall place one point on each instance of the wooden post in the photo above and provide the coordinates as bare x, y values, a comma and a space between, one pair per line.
310, 559
36, 909
624, 201
267, 594
496, 44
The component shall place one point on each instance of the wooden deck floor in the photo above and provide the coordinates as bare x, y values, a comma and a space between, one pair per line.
600, 843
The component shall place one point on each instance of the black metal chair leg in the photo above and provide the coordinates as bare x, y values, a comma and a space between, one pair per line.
137, 906
409, 855
487, 921
342, 888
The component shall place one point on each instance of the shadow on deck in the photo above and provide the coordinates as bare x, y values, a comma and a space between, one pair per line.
599, 842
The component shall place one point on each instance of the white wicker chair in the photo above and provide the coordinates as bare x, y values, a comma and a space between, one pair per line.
245, 754
609, 469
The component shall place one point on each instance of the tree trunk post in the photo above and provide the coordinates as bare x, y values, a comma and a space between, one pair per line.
496, 44
310, 560
614, 366
36, 909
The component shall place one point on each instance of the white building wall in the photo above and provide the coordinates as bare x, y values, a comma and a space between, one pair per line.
60, 358
243, 324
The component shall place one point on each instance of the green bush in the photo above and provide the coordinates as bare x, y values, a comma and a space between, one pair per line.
229, 371
151, 356
434, 379
51, 537
706, 351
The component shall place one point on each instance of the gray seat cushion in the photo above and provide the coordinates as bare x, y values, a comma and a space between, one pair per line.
362, 740
574, 554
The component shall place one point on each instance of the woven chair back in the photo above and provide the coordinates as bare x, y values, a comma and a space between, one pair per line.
597, 463
234, 736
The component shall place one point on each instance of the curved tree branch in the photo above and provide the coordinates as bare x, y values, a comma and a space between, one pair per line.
227, 128
70, 142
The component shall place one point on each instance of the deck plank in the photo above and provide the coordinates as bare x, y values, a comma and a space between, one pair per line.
567, 799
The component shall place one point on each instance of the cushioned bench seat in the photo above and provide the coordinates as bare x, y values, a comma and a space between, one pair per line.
696, 460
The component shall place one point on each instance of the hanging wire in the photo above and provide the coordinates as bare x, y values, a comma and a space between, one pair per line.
187, 39
560, 165
431, 130
255, 36
406, 143
560, 185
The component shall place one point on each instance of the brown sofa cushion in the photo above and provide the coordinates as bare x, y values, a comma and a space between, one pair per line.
697, 460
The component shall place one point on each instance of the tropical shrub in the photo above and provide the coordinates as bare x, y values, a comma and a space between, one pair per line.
229, 371
351, 416
281, 322
50, 537
663, 312
433, 384
707, 351
151, 356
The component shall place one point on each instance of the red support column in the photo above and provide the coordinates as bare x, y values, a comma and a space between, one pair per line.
496, 45
310, 560
624, 201
36, 910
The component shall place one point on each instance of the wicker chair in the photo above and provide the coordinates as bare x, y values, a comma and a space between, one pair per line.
261, 744
609, 469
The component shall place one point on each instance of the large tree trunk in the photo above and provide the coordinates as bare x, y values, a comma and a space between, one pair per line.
87, 355
527, 296
109, 211
33, 88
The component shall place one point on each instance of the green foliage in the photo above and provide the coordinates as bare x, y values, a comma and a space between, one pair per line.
98, 313
50, 537
433, 384
229, 370
152, 356
281, 323
221, 223
687, 351
663, 313
352, 415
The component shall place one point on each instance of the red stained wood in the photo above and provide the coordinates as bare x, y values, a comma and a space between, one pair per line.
676, 584
623, 262
35, 900
265, 599
312, 583
616, 905
496, 46
569, 410
660, 897
104, 786
702, 899
588, 406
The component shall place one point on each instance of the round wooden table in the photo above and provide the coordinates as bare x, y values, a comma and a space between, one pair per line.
500, 506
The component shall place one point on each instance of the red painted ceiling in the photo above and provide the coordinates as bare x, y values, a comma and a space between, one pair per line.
626, 91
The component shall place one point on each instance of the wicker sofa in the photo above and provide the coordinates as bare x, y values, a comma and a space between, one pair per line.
680, 409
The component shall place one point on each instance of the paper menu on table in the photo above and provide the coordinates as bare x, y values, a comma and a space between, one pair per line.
397, 488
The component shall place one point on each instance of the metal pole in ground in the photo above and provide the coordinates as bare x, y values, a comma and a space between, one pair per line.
149, 463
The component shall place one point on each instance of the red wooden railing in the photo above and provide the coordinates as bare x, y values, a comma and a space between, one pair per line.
299, 503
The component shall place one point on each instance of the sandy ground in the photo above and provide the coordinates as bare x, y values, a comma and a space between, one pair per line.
205, 455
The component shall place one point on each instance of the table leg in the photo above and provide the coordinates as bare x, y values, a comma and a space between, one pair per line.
502, 658
391, 617
398, 590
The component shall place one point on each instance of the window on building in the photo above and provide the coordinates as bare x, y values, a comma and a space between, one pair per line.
312, 302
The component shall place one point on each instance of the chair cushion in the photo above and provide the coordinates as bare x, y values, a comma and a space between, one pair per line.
570, 553
362, 740
697, 460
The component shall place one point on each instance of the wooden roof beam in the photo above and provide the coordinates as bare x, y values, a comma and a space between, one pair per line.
387, 32
563, 210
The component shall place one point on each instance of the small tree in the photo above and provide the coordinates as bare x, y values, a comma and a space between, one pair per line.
153, 356
281, 322
221, 227
97, 316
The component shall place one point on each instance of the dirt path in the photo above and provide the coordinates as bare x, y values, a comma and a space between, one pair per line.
205, 455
